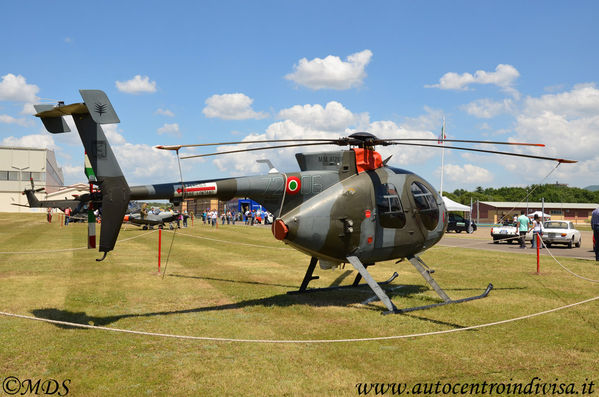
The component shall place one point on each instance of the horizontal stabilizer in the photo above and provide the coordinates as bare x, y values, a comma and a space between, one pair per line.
53, 122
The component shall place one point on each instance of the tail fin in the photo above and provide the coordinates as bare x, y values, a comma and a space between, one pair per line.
89, 116
31, 199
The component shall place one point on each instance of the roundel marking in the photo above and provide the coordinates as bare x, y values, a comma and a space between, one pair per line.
293, 185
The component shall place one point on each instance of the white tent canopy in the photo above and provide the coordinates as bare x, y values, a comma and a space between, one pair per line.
453, 206
540, 214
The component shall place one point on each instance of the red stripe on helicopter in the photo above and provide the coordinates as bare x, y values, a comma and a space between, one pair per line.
197, 189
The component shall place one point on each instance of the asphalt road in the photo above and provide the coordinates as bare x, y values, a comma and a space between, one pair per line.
481, 239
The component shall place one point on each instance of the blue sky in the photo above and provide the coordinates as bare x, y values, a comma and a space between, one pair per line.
197, 72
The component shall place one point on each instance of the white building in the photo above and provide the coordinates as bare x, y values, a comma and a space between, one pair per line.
17, 166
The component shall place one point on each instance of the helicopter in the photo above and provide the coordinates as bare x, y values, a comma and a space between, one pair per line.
344, 206
78, 205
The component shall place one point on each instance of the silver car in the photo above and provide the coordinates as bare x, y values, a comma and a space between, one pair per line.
561, 232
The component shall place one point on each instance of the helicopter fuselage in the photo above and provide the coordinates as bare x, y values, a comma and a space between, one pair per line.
336, 208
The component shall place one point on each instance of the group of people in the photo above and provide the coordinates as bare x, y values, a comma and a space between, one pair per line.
230, 217
211, 217
524, 224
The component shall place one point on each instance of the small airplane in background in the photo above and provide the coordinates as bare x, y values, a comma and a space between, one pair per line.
141, 216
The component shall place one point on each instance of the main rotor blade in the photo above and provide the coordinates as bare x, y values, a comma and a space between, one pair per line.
463, 141
530, 156
258, 148
169, 147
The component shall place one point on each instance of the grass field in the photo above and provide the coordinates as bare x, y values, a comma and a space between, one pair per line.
236, 288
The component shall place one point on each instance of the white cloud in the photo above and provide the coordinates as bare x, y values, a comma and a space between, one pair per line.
76, 171
28, 109
468, 173
142, 163
567, 123
137, 85
165, 112
487, 108
504, 77
316, 121
114, 137
581, 101
42, 141
231, 107
171, 129
4, 118
331, 72
15, 88
333, 117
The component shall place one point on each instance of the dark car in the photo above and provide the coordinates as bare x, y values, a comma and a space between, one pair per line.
458, 224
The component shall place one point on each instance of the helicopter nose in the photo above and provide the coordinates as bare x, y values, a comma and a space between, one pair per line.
280, 229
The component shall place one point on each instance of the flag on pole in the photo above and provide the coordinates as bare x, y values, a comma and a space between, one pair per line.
442, 136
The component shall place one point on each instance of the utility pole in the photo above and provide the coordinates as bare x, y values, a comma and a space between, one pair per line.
20, 179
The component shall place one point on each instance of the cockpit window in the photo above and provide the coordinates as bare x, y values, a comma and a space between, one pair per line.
426, 204
390, 210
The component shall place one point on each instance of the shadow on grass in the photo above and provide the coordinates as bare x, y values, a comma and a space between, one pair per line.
232, 281
338, 298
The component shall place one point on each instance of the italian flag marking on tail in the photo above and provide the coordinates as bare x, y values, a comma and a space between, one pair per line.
293, 185
89, 171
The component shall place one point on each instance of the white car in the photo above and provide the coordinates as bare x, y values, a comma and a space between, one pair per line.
507, 232
559, 232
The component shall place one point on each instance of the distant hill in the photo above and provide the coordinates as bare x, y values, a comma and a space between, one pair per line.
592, 188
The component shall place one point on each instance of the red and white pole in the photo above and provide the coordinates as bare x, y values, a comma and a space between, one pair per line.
538, 237
91, 221
159, 247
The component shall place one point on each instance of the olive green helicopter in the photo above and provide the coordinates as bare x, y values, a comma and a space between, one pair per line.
344, 206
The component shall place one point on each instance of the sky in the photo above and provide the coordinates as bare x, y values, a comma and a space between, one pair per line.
216, 71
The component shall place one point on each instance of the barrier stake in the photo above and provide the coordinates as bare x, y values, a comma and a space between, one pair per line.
538, 253
159, 247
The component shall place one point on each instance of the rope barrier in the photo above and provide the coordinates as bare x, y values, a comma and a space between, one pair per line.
66, 249
230, 242
550, 254
299, 341
568, 270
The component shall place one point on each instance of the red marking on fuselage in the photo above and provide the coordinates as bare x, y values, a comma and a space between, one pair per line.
197, 189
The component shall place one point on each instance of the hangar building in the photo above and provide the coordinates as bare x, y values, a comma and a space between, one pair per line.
17, 165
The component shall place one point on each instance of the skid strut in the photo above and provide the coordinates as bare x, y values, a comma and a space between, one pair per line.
425, 272
309, 277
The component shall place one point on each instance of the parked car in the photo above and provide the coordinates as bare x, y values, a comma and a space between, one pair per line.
560, 232
458, 224
507, 232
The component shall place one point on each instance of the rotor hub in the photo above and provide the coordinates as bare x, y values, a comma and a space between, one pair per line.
364, 140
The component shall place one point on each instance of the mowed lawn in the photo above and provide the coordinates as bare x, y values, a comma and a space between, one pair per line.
231, 282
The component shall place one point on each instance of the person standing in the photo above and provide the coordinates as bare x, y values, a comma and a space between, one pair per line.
595, 227
67, 216
523, 225
537, 229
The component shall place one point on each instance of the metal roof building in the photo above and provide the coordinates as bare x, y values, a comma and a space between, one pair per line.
17, 166
493, 211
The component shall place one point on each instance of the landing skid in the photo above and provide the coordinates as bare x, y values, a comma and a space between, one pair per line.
425, 272
380, 294
309, 277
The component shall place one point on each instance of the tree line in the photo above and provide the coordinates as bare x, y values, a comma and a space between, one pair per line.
552, 193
